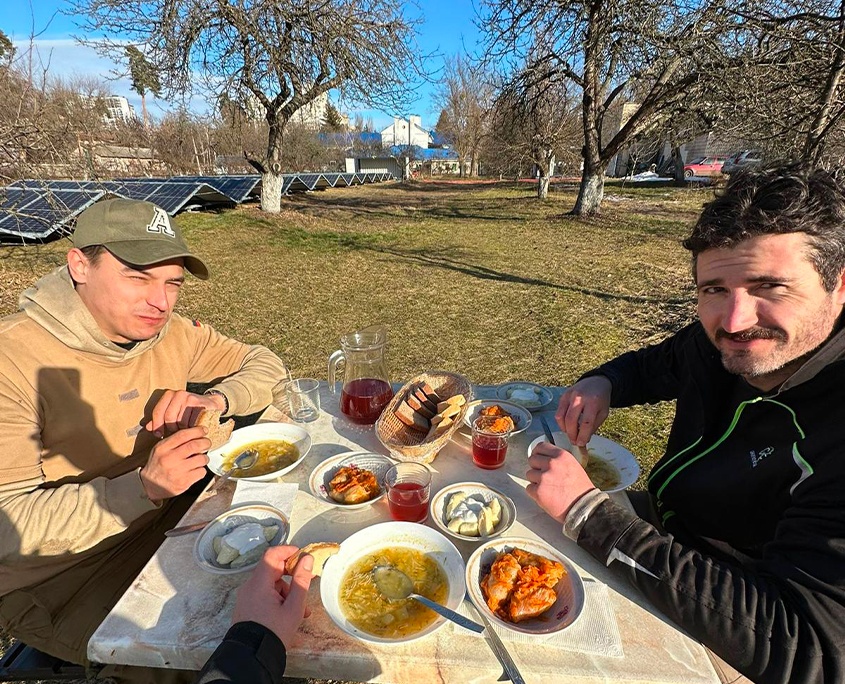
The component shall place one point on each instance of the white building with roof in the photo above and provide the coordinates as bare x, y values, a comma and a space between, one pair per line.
406, 132
118, 110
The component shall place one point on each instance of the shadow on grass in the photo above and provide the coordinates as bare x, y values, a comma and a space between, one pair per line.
443, 259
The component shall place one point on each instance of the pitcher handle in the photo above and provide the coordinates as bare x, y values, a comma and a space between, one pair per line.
335, 359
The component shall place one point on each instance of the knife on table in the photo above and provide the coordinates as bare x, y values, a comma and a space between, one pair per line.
510, 669
185, 529
579, 452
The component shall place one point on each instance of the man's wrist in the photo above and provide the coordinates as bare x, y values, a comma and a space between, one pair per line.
223, 398
580, 511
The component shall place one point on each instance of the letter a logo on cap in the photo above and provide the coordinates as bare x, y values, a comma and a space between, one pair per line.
160, 223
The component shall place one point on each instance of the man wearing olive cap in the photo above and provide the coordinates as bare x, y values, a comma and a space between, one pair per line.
97, 456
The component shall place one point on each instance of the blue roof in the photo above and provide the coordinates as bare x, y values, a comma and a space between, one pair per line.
429, 154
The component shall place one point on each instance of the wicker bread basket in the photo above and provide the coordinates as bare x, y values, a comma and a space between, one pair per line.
405, 444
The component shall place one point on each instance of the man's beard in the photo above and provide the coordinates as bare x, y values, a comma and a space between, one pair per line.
744, 362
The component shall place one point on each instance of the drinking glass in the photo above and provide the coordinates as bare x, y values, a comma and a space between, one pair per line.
408, 490
301, 399
488, 446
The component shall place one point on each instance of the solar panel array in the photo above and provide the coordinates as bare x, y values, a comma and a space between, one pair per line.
35, 209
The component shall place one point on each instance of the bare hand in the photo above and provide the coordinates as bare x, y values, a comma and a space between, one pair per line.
267, 599
556, 480
178, 409
583, 408
175, 463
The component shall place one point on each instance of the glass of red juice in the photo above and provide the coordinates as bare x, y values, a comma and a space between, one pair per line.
362, 400
408, 491
489, 444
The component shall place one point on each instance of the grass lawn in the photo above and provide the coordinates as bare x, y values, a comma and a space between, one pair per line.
479, 278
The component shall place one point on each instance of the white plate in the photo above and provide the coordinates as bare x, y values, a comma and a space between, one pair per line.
618, 456
294, 434
225, 523
384, 535
439, 501
569, 590
521, 416
323, 473
541, 396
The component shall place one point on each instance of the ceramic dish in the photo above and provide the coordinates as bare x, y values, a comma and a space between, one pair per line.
204, 553
527, 394
569, 590
617, 456
390, 535
288, 432
323, 473
521, 416
441, 499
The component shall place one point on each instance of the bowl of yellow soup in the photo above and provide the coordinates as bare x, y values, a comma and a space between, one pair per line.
356, 606
280, 446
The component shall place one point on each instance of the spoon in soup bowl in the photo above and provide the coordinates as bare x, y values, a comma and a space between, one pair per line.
243, 461
395, 585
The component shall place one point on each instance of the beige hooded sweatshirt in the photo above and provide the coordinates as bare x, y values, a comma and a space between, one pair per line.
72, 407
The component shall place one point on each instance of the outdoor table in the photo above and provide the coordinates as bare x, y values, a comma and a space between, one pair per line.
174, 614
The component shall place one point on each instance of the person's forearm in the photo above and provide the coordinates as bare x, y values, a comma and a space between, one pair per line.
67, 519
764, 624
249, 654
250, 388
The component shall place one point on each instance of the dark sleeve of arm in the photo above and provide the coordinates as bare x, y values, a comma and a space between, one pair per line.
249, 654
777, 621
651, 374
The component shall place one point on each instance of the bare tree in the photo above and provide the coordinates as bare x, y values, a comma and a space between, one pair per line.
788, 100
607, 50
537, 122
282, 55
465, 95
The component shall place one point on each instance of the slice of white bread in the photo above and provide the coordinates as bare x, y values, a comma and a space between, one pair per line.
438, 425
455, 400
218, 432
449, 411
411, 418
321, 551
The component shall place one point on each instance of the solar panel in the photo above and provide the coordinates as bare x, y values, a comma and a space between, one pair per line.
344, 180
293, 184
309, 180
322, 182
238, 187
37, 214
331, 178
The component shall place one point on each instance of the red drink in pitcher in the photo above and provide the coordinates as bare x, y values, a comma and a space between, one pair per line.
408, 501
362, 400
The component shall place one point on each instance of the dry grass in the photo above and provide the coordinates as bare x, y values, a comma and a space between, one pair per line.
478, 278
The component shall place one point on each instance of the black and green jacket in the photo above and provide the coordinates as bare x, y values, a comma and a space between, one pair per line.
751, 492
249, 654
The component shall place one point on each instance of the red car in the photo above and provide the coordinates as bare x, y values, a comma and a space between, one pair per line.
704, 166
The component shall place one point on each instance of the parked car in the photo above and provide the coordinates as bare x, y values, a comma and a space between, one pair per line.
704, 166
742, 159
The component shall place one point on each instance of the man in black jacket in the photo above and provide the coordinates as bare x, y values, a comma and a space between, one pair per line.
267, 615
743, 543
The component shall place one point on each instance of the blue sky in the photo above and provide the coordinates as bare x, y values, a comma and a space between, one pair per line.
447, 27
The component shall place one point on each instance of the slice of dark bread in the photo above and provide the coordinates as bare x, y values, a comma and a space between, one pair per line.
413, 419
419, 407
218, 432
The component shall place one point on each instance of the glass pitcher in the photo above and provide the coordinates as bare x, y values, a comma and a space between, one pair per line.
366, 388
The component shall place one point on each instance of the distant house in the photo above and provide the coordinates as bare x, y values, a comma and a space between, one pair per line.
126, 160
406, 132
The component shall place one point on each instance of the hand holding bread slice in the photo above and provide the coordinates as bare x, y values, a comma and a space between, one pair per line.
321, 552
217, 432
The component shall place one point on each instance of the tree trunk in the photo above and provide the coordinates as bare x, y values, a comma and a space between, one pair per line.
543, 186
590, 193
144, 110
271, 192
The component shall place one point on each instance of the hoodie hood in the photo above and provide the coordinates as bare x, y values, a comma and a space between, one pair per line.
830, 351
55, 305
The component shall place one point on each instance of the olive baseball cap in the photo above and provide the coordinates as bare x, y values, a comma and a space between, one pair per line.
138, 233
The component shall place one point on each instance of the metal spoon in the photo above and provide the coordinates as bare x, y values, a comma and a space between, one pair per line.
243, 461
395, 585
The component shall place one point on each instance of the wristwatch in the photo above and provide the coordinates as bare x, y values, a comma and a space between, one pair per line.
225, 400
